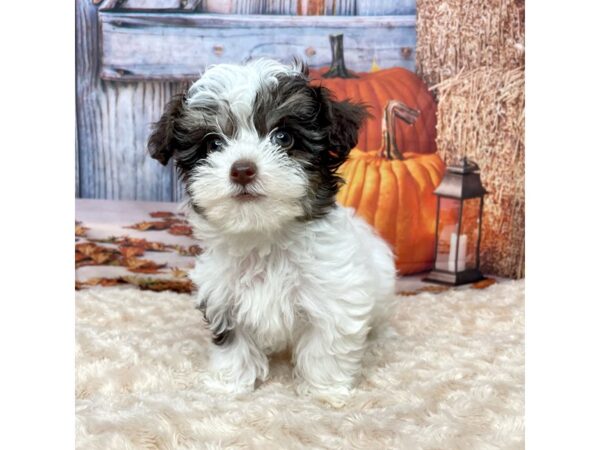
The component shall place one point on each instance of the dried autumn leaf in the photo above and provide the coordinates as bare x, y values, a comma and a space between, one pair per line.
104, 281
180, 286
487, 282
87, 248
155, 246
192, 250
143, 243
103, 258
159, 285
80, 230
434, 289
138, 265
180, 230
150, 225
79, 256
127, 241
407, 293
175, 221
178, 273
161, 214
130, 252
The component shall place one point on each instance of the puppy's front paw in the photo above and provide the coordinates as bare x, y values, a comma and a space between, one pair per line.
334, 396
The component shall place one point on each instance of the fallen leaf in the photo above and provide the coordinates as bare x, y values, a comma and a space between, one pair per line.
407, 293
161, 214
143, 243
152, 284
192, 250
434, 289
87, 248
487, 282
103, 281
90, 254
180, 230
176, 221
79, 256
178, 273
150, 225
127, 241
130, 252
103, 258
80, 230
138, 265
159, 285
108, 240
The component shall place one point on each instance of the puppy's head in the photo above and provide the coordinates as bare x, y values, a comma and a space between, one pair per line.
257, 146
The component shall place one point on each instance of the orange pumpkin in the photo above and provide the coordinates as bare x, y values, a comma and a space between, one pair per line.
376, 89
393, 191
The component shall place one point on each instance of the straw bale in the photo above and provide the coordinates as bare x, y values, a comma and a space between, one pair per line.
481, 116
456, 35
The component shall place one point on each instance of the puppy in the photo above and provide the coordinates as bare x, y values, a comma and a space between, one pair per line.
284, 266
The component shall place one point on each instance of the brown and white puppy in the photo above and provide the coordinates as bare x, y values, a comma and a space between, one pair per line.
257, 147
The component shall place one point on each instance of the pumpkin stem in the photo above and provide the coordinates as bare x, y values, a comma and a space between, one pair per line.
393, 109
338, 66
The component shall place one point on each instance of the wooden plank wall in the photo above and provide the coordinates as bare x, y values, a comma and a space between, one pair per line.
113, 123
178, 46
114, 117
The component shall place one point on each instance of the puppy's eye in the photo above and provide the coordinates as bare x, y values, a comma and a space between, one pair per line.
214, 143
282, 138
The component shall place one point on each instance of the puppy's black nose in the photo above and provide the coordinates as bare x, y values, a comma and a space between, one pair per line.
243, 172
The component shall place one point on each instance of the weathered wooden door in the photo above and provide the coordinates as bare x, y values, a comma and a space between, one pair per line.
133, 55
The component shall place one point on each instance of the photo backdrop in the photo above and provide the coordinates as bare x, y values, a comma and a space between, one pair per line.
461, 64
132, 56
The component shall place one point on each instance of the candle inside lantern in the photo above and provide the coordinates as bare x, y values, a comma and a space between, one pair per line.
462, 252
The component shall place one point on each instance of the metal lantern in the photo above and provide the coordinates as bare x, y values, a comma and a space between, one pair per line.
458, 225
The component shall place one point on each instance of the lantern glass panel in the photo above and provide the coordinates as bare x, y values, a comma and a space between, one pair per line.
447, 228
469, 232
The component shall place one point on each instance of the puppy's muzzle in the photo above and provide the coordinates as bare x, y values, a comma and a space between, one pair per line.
243, 172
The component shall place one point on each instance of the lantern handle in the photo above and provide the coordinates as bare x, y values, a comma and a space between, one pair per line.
464, 165
395, 109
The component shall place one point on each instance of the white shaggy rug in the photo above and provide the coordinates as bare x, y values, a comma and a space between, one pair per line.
449, 374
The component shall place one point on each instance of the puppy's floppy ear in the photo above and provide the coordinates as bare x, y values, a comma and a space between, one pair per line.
348, 117
163, 140
345, 119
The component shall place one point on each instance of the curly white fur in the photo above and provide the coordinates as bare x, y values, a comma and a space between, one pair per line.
316, 287
270, 278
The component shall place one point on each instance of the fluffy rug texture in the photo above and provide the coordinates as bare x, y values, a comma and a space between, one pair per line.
447, 373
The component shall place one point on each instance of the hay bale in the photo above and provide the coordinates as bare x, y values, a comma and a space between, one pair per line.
456, 35
481, 116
